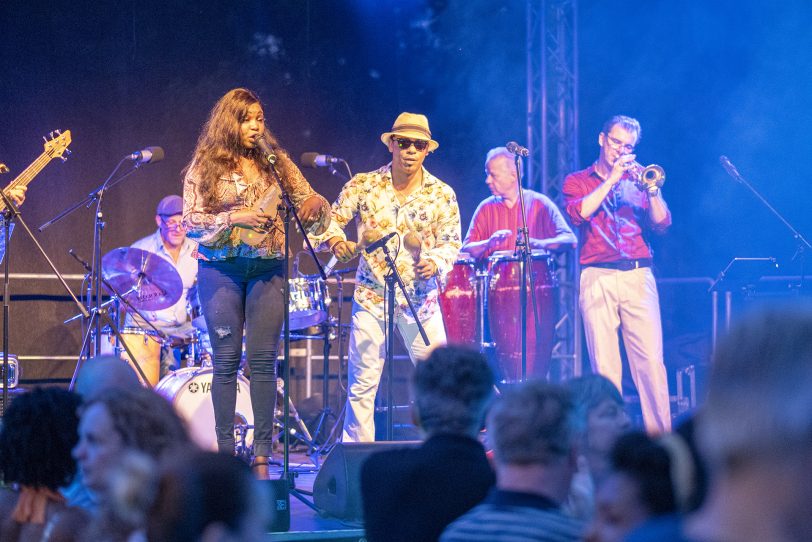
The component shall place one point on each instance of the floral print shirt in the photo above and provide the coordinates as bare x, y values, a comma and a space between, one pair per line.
209, 227
431, 213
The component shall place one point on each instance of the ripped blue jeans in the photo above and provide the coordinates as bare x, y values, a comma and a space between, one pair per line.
242, 293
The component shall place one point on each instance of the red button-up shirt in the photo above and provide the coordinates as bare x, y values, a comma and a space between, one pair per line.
615, 231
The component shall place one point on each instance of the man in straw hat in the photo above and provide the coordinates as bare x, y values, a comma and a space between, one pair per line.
400, 198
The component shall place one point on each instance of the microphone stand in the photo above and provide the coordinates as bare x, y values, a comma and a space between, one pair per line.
800, 241
99, 311
390, 280
525, 253
13, 213
288, 210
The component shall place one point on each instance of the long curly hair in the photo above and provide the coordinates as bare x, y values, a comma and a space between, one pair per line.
219, 146
40, 428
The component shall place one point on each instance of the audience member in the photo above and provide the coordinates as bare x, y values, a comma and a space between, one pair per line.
413, 494
104, 373
211, 497
639, 499
113, 424
599, 419
530, 427
37, 435
756, 430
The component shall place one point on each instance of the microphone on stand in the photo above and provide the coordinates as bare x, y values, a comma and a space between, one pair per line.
265, 149
729, 167
380, 242
515, 148
314, 160
147, 156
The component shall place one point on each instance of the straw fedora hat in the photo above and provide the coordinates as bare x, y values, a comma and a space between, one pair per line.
413, 126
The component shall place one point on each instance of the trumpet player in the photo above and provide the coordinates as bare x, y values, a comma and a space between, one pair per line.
614, 202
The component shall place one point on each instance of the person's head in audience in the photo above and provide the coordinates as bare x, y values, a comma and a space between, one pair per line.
756, 429
600, 418
534, 445
38, 431
116, 420
639, 487
208, 497
103, 373
452, 390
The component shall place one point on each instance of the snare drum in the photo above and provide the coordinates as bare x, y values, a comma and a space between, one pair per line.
145, 344
459, 303
189, 389
504, 315
308, 302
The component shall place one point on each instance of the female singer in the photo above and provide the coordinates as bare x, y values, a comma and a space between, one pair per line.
241, 285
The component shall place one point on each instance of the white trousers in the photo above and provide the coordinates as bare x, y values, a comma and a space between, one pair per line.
612, 299
366, 356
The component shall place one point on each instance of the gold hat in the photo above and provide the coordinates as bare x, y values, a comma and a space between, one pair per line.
413, 126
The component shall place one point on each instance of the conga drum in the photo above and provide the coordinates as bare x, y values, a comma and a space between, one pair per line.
504, 315
459, 303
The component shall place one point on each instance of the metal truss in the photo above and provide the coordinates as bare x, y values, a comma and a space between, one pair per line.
552, 138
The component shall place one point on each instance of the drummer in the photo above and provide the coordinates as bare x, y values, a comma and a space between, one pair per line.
497, 219
170, 243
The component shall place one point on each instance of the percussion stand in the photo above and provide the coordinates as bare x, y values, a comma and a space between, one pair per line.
12, 213
96, 313
525, 268
392, 278
288, 209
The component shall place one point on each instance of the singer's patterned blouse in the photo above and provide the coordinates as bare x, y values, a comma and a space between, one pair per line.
431, 213
209, 227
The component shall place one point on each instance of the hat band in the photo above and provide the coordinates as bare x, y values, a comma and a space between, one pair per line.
415, 127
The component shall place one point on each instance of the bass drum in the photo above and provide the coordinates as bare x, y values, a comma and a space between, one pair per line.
504, 315
189, 390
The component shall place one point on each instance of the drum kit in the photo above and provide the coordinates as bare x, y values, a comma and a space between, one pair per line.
481, 309
148, 282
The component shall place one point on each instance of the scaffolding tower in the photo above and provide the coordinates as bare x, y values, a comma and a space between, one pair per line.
552, 138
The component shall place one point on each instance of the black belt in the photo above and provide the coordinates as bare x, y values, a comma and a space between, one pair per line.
622, 265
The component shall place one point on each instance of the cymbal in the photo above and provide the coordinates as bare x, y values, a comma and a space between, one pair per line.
143, 278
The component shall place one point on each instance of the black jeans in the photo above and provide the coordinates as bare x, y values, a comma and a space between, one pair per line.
242, 293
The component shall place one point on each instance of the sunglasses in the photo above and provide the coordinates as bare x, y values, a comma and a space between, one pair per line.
404, 143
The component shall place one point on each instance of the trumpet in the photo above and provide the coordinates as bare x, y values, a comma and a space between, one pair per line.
646, 177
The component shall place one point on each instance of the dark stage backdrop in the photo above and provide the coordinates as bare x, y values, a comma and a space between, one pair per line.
704, 78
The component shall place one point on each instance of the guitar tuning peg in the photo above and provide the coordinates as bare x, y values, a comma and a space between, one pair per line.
45, 139
51, 134
63, 158
59, 132
67, 151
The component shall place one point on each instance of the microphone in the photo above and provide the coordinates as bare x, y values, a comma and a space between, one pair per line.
146, 156
314, 159
329, 267
265, 149
729, 167
380, 242
515, 148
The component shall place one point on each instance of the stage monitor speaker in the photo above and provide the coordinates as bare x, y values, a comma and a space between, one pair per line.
337, 488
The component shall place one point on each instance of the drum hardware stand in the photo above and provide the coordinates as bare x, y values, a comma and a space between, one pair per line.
525, 268
12, 213
102, 311
326, 411
391, 278
287, 209
94, 319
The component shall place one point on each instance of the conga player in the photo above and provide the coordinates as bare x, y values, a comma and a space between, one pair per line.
493, 229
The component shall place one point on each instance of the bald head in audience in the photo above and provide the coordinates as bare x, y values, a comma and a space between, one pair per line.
104, 373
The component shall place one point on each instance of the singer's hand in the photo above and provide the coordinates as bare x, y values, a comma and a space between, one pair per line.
425, 268
309, 211
344, 251
248, 218
17, 194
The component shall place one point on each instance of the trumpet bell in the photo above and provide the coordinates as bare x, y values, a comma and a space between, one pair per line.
652, 175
